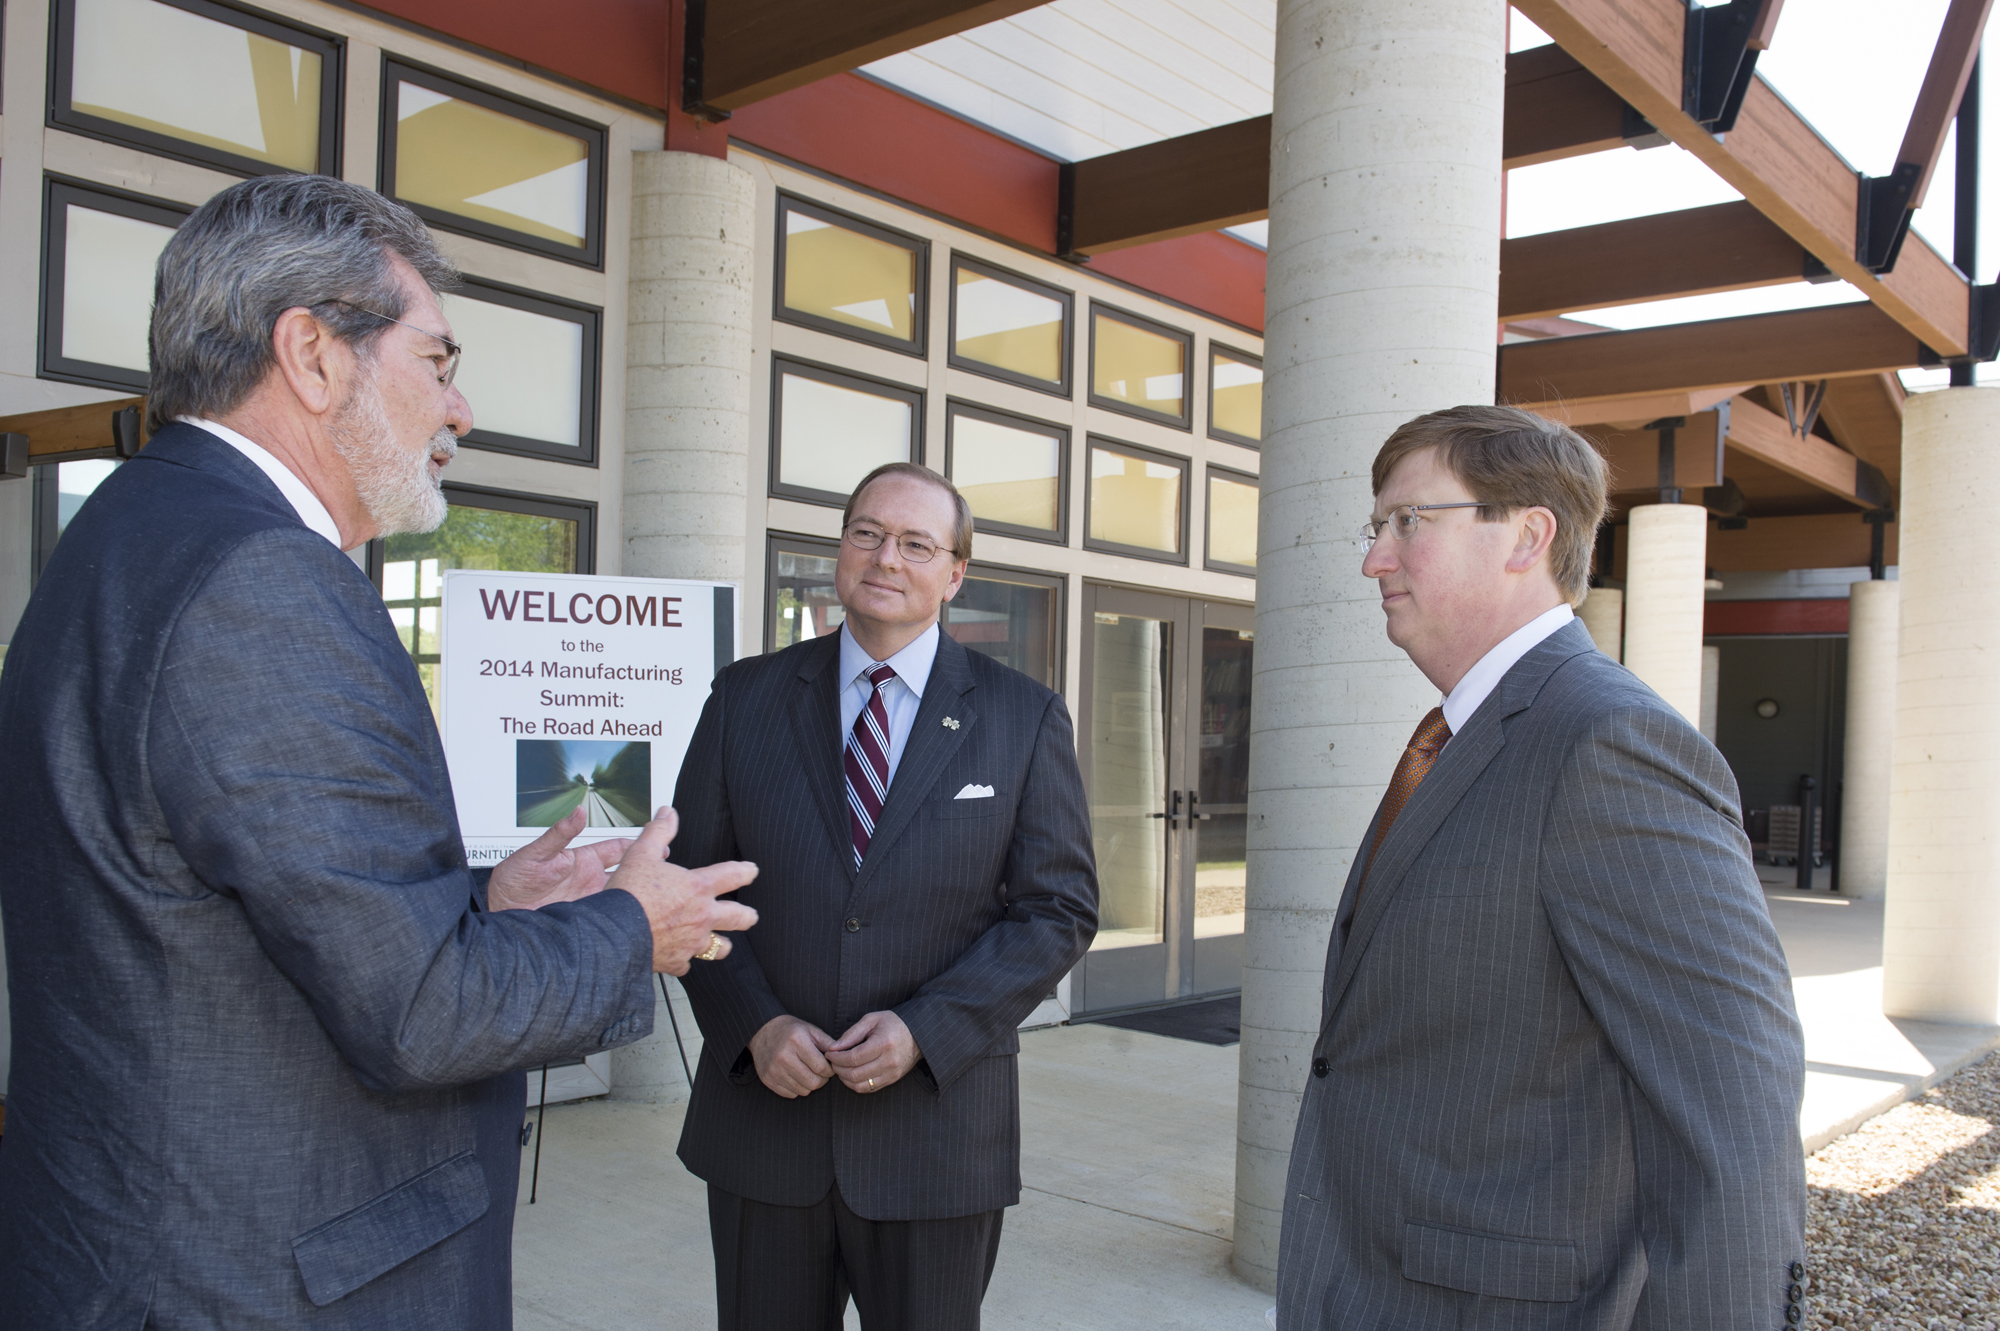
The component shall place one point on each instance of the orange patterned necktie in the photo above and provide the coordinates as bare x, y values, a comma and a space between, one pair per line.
1423, 750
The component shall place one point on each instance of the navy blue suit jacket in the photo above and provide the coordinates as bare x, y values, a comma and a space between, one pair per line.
265, 1041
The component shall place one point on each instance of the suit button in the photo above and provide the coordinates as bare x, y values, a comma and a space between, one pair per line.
1320, 1068
854, 926
1793, 1314
1795, 1293
1798, 1270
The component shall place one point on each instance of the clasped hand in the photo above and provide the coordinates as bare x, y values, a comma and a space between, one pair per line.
796, 1058
680, 904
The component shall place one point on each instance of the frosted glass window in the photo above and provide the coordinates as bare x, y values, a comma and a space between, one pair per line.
1138, 367
1010, 326
1136, 501
1008, 473
851, 277
1236, 395
478, 162
204, 81
830, 435
523, 373
107, 286
1232, 520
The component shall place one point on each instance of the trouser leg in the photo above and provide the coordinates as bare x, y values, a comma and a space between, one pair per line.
777, 1268
918, 1275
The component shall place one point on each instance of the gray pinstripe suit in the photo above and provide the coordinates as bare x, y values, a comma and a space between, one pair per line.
963, 915
1558, 1074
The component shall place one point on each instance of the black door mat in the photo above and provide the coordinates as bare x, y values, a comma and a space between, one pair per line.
1211, 1021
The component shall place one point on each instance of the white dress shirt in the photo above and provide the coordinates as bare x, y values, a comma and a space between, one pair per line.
1490, 669
900, 695
303, 501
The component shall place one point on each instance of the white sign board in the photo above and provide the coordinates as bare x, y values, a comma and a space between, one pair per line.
561, 690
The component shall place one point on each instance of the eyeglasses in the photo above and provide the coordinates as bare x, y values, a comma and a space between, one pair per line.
1403, 519
916, 549
447, 364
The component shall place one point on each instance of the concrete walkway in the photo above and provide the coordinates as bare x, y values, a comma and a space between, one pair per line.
1128, 1154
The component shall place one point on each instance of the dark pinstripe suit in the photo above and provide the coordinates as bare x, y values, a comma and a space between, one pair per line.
1557, 1081
962, 917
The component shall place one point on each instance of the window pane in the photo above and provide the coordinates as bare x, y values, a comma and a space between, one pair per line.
830, 436
1232, 521
1135, 501
479, 163
75, 482
1012, 622
413, 565
803, 604
522, 372
1008, 327
1225, 780
1007, 473
1138, 366
850, 278
107, 286
1238, 400
136, 63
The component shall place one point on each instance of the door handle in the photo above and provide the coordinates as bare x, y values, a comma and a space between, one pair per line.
1194, 804
1174, 811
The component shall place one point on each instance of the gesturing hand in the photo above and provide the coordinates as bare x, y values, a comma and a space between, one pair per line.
877, 1052
681, 903
547, 870
789, 1054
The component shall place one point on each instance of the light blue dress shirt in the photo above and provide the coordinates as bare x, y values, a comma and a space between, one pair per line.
900, 696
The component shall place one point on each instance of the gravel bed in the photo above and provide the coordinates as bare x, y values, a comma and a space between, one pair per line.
1903, 1216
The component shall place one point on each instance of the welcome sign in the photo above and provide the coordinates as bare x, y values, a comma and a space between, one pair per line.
562, 691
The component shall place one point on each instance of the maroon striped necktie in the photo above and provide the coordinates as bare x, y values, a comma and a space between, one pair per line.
867, 763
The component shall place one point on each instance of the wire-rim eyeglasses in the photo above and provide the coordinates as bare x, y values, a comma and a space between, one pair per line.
1403, 520
448, 370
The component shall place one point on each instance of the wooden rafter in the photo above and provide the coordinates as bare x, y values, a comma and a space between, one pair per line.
1865, 413
1764, 435
1944, 83
1778, 162
60, 431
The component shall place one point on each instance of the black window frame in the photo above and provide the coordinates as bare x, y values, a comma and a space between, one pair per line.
918, 344
839, 377
331, 48
1230, 436
583, 512
1143, 453
58, 192
1067, 388
1209, 473
1184, 421
591, 405
396, 70
798, 543
956, 407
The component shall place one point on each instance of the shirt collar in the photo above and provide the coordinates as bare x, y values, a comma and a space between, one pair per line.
912, 665
303, 501
1480, 681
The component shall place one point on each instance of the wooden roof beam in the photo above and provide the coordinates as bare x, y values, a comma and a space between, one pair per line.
1771, 155
742, 51
93, 429
1766, 436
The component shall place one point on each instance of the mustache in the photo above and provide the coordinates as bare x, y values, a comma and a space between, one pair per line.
443, 445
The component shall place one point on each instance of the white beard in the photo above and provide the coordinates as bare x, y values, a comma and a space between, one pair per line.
395, 486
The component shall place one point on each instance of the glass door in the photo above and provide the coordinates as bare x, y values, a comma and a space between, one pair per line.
1166, 721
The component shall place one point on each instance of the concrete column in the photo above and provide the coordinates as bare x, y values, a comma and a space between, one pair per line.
1665, 565
1711, 688
1603, 613
687, 432
1385, 236
1871, 739
1941, 927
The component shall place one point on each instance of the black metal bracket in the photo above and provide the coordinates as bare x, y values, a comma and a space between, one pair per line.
1668, 426
1882, 218
126, 438
1802, 405
1717, 63
1983, 332
1871, 486
1639, 132
694, 44
13, 456
1878, 519
1726, 501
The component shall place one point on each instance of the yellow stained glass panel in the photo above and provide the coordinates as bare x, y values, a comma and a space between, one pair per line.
1006, 473
1238, 395
461, 158
1009, 327
1135, 501
1138, 366
850, 278
1232, 521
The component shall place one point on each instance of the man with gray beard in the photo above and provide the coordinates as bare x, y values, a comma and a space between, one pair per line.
268, 1029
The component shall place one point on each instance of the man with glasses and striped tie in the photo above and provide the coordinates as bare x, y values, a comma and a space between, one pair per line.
926, 877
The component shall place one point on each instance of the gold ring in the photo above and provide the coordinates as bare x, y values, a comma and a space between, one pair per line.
871, 1083
714, 945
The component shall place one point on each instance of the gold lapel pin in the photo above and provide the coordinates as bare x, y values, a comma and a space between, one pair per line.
951, 723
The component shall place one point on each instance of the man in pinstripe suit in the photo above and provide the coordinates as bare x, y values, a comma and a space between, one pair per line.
1558, 1073
926, 878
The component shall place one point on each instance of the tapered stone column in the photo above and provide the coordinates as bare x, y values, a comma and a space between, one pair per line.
1603, 614
1941, 927
1871, 739
687, 432
1383, 281
1665, 566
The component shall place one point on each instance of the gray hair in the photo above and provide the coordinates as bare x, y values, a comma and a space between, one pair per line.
260, 248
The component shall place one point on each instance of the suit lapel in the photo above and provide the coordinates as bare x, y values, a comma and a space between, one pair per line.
816, 722
1458, 767
929, 748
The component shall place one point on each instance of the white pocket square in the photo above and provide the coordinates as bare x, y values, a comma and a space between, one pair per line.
972, 792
